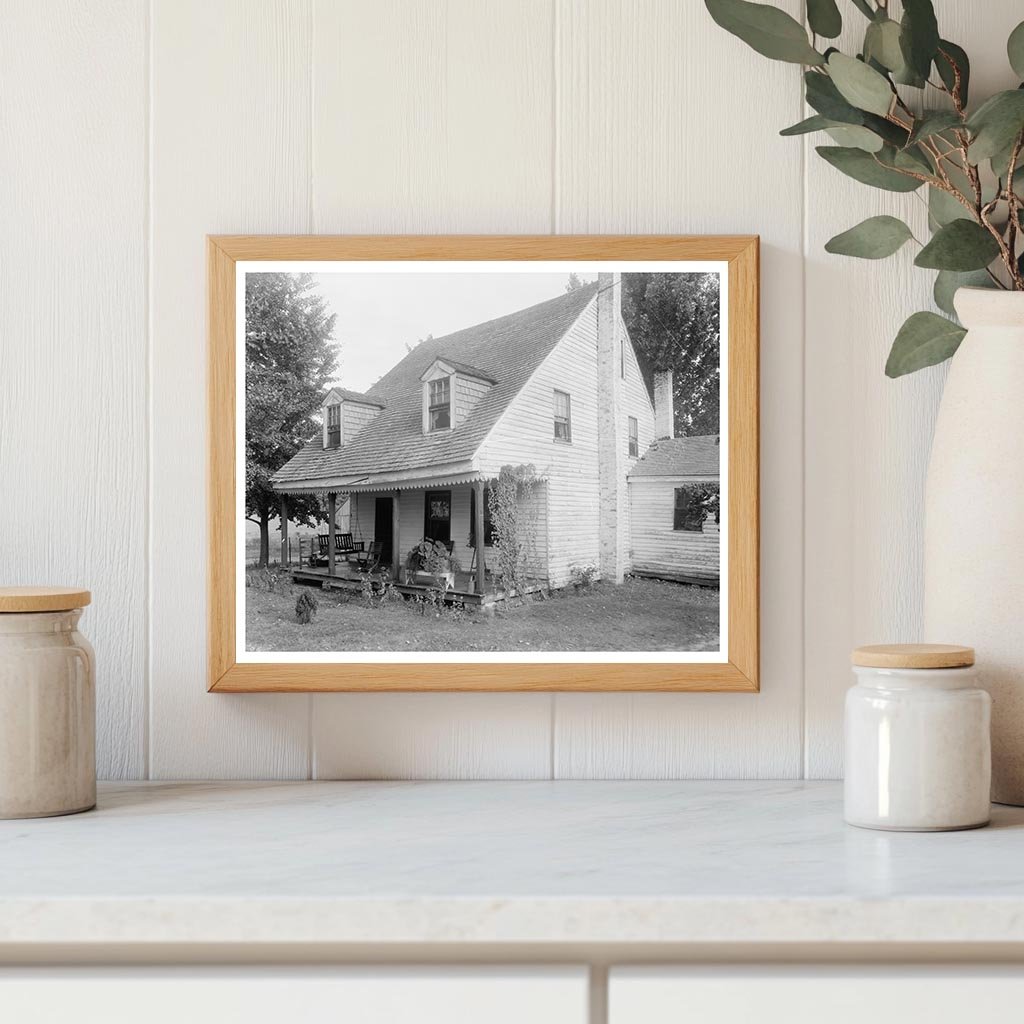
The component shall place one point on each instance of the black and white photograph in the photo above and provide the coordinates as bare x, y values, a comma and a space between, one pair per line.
482, 460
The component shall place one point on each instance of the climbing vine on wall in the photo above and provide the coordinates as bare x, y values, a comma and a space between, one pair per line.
514, 519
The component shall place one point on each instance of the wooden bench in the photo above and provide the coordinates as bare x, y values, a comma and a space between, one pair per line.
344, 546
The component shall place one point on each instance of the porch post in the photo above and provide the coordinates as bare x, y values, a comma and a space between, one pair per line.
396, 547
284, 530
332, 509
478, 532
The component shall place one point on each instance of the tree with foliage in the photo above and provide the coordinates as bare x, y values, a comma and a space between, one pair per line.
673, 323
573, 283
290, 360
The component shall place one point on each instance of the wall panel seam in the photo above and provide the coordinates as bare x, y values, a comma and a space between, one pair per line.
147, 715
555, 124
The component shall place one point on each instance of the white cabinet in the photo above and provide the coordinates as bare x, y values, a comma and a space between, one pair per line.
254, 995
814, 995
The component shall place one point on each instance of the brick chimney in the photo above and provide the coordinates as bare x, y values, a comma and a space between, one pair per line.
610, 443
664, 411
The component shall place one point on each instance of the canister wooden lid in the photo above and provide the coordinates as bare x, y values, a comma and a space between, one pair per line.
42, 599
913, 656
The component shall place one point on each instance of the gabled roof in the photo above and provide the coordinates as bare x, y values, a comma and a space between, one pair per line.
464, 368
681, 456
507, 349
353, 396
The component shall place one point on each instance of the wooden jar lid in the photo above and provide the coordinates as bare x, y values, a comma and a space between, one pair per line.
914, 656
42, 599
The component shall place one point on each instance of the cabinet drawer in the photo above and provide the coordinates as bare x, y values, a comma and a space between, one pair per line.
813, 995
254, 995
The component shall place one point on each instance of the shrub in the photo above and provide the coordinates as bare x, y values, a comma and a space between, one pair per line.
583, 576
305, 607
263, 579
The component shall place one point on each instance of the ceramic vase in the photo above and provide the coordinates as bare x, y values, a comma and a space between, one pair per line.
974, 518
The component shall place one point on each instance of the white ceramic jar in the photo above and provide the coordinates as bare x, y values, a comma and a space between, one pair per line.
918, 749
47, 704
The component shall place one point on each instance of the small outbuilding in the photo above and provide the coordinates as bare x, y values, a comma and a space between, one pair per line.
674, 510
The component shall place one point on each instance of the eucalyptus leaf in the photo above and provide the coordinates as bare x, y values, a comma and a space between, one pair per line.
950, 59
824, 18
864, 7
934, 123
926, 339
817, 123
914, 159
872, 239
947, 283
944, 209
919, 35
868, 169
854, 136
860, 85
961, 245
1015, 50
996, 124
882, 45
825, 98
892, 133
769, 31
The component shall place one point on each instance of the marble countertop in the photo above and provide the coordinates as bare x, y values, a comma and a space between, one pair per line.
505, 863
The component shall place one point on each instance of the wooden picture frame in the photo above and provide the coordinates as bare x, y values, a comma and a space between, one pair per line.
737, 672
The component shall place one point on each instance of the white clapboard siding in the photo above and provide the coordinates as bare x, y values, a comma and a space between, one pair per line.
637, 403
73, 334
230, 154
656, 548
525, 436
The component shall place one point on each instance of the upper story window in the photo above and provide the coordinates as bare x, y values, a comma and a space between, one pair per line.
439, 408
634, 436
333, 426
563, 417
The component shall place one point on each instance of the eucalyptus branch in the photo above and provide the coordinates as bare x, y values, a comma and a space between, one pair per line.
968, 234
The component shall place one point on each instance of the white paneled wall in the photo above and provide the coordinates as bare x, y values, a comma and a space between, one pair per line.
128, 131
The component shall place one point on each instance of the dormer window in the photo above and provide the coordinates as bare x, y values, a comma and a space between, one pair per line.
439, 408
450, 391
333, 426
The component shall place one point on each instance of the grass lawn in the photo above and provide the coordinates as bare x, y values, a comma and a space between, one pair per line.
640, 615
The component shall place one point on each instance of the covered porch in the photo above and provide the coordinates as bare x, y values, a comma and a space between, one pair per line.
387, 521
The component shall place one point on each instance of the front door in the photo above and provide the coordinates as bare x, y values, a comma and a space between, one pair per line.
437, 516
383, 528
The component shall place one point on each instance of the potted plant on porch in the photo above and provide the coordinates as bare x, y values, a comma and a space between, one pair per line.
431, 564
966, 157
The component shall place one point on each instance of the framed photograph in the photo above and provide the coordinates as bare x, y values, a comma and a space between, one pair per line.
483, 463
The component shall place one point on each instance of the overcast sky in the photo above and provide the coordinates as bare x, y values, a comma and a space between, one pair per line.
379, 314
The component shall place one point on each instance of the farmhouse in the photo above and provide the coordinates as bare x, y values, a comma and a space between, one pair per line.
556, 386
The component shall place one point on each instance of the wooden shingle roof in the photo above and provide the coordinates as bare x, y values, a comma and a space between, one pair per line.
507, 349
355, 396
680, 456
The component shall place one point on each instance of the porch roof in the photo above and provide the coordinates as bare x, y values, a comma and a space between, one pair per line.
379, 484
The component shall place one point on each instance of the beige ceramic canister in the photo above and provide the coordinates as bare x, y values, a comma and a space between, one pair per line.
47, 704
